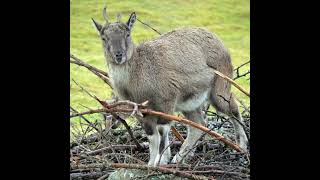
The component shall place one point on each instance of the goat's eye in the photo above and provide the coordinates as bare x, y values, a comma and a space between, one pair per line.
128, 35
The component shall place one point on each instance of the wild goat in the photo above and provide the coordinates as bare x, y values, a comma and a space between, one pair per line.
174, 72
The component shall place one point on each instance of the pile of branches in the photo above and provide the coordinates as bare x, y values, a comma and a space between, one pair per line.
100, 146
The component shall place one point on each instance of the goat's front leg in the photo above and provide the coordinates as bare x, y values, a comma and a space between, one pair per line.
164, 148
149, 125
157, 130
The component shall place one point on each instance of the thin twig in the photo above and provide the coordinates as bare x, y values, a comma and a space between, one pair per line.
90, 123
241, 75
127, 155
149, 26
94, 152
238, 75
94, 71
88, 66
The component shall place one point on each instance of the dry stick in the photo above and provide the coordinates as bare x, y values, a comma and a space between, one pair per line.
105, 105
142, 167
177, 134
106, 80
101, 74
81, 63
149, 26
232, 82
115, 147
170, 118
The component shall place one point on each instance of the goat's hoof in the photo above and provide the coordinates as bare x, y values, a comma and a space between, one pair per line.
176, 159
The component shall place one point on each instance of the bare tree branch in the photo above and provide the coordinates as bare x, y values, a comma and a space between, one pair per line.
140, 166
101, 74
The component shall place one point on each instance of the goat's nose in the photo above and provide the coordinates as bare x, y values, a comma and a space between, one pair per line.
118, 54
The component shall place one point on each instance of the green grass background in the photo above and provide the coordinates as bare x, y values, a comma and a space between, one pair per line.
229, 19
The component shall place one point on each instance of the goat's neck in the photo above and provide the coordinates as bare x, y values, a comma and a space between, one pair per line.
121, 74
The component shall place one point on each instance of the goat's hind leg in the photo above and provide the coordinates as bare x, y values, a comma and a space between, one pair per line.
237, 121
228, 106
188, 147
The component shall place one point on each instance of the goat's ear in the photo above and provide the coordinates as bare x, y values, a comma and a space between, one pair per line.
97, 25
131, 20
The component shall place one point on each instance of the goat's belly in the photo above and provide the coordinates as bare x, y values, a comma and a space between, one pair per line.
192, 102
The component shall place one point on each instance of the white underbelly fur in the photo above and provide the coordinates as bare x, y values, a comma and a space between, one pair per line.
192, 103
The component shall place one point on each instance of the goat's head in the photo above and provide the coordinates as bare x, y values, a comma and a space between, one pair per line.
117, 42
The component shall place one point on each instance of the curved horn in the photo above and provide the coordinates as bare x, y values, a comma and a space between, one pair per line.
104, 13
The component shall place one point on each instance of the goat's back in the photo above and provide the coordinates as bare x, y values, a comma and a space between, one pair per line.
178, 64
188, 50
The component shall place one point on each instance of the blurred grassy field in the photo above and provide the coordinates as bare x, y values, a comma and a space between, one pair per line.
229, 19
